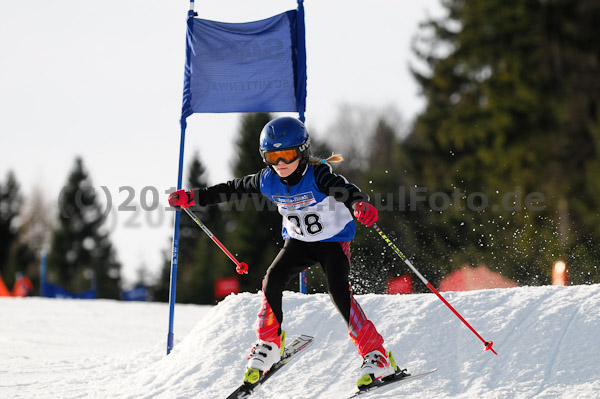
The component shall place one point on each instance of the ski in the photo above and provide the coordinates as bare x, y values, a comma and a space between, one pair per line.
297, 346
400, 376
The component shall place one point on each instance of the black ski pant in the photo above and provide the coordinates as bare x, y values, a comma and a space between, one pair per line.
334, 258
296, 256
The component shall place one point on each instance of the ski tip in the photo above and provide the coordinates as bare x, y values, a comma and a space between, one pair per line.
424, 373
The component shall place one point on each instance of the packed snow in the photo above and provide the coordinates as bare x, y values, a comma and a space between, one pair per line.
546, 339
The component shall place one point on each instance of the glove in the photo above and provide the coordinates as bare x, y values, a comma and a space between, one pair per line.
182, 199
366, 213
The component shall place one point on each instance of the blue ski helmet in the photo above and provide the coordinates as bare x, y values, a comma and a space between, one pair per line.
284, 133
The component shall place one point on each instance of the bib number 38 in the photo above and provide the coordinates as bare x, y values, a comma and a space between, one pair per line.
310, 223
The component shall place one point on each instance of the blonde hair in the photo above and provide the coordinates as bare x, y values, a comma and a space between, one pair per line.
331, 158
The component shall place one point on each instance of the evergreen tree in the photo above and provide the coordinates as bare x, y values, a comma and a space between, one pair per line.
512, 107
35, 232
80, 250
160, 289
10, 204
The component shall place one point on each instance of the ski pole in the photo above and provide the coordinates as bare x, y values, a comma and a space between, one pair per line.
487, 344
240, 267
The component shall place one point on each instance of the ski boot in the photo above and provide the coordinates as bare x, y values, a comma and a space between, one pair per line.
377, 365
262, 357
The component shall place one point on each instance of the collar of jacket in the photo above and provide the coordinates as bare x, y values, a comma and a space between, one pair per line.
295, 177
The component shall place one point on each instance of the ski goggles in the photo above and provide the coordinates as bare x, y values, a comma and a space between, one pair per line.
287, 155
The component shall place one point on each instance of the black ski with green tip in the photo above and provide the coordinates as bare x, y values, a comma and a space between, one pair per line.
291, 350
400, 376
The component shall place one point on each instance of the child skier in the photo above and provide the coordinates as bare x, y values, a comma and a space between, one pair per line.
317, 207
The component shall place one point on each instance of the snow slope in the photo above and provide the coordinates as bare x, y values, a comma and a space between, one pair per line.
546, 339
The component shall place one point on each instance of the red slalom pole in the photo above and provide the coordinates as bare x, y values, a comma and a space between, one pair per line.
240, 267
487, 344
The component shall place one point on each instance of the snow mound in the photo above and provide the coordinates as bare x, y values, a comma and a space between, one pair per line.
545, 338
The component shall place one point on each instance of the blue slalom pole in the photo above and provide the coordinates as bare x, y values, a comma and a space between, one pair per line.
175, 253
43, 275
301, 94
173, 285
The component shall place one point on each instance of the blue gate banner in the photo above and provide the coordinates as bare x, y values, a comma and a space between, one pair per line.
55, 291
255, 66
138, 293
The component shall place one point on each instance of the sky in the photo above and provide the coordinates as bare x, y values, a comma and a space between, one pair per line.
545, 337
103, 81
